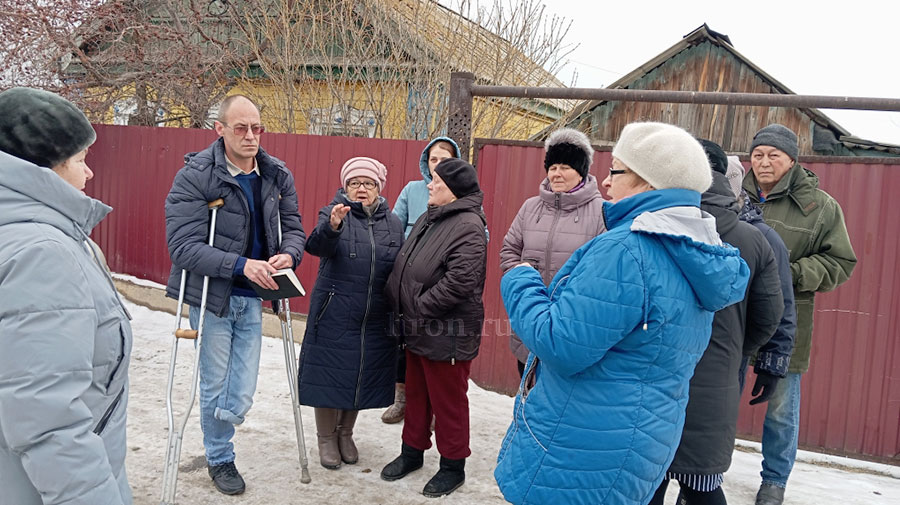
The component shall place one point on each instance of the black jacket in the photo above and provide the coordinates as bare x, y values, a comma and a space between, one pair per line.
438, 280
348, 361
707, 441
203, 179
775, 356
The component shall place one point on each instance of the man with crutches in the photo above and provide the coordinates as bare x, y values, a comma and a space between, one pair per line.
244, 248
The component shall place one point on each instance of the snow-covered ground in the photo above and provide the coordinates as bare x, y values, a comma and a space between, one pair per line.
267, 450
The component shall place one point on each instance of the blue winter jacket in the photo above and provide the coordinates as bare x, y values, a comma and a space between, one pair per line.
348, 359
413, 199
203, 179
614, 341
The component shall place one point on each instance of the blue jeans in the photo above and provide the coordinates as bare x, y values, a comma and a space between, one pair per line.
781, 431
229, 366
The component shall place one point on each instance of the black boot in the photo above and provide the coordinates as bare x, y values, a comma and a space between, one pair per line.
409, 460
451, 475
226, 478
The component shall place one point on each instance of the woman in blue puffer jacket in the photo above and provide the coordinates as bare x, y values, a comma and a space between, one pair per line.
348, 359
615, 337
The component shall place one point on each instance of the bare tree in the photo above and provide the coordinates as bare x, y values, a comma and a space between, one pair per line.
164, 61
382, 67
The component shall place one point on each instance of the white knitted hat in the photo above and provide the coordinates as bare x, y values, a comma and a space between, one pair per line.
664, 155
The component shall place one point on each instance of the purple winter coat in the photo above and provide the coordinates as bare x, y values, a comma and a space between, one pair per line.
547, 230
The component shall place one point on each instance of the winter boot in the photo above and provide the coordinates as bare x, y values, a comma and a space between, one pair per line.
451, 475
326, 429
394, 413
346, 421
770, 494
409, 460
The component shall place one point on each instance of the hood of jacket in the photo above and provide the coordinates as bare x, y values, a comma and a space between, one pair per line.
689, 236
750, 212
719, 201
37, 194
423, 160
569, 201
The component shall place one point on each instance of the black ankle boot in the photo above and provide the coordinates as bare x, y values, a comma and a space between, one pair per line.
409, 460
451, 475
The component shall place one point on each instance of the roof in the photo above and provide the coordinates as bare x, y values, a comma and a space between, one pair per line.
705, 34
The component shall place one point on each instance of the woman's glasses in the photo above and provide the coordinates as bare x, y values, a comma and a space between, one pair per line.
365, 184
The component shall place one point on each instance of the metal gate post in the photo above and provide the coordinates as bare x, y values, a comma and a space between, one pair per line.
459, 121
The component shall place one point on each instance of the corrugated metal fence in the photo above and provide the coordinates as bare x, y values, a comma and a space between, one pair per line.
851, 396
134, 168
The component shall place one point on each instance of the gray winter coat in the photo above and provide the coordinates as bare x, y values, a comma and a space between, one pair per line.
65, 340
203, 179
547, 230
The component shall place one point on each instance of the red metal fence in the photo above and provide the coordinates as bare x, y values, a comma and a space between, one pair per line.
851, 395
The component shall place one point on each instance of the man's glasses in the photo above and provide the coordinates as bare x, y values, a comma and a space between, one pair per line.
365, 184
241, 129
613, 171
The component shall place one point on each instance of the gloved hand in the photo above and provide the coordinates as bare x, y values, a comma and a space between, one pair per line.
764, 387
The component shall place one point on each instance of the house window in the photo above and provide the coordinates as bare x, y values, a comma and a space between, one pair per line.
347, 122
127, 107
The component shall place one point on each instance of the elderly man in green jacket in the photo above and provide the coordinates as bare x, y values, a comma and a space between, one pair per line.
811, 224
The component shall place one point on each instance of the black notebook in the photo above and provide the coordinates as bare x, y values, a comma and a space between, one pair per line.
288, 286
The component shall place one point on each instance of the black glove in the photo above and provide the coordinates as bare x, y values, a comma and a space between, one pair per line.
764, 387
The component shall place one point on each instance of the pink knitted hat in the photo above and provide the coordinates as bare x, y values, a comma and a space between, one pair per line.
364, 167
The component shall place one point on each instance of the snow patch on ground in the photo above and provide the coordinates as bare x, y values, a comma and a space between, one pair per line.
267, 453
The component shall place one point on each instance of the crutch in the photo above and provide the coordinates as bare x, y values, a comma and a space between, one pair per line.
290, 363
176, 434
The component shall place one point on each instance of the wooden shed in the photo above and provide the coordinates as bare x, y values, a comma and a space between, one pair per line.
705, 60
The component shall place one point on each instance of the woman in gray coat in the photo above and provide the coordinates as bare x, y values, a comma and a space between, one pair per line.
566, 213
64, 333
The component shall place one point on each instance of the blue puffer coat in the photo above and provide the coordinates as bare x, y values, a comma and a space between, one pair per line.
614, 341
348, 360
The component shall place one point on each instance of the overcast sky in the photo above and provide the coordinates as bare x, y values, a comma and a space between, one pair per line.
848, 48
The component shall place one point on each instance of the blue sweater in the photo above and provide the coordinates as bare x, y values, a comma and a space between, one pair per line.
251, 187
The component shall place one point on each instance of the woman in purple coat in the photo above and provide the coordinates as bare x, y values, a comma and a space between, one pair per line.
566, 213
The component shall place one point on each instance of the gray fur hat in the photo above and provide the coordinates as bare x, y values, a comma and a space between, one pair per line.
42, 127
570, 147
779, 137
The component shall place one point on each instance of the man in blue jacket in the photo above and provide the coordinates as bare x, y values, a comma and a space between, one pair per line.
257, 190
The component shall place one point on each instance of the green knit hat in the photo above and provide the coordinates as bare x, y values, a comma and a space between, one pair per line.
42, 127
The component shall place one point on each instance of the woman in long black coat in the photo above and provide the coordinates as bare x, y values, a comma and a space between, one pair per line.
347, 362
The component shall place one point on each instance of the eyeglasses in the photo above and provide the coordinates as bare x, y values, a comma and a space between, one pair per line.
613, 171
241, 129
357, 184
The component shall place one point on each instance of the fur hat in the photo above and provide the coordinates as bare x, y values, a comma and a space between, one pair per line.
664, 155
717, 159
42, 127
364, 167
779, 137
570, 147
459, 176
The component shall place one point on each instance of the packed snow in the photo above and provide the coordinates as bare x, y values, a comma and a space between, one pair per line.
267, 454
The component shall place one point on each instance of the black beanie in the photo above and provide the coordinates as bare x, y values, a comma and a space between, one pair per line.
42, 127
459, 176
570, 147
718, 161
